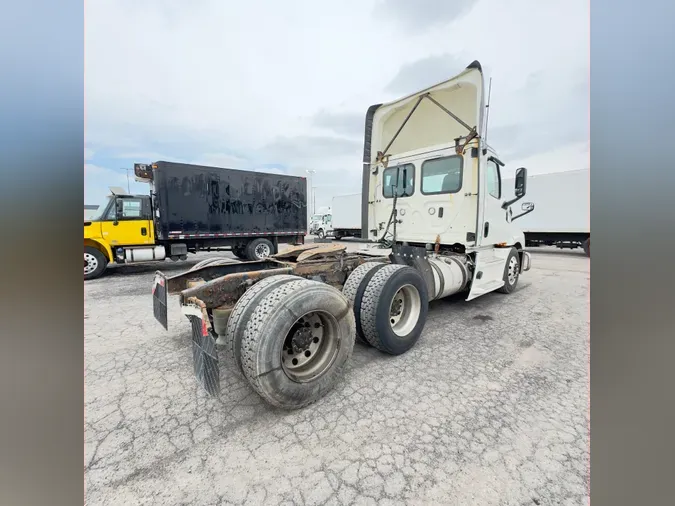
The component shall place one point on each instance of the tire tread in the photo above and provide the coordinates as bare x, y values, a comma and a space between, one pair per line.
369, 305
240, 310
352, 284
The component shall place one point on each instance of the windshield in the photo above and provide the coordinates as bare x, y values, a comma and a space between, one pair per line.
97, 215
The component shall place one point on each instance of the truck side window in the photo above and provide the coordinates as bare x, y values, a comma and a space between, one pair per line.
442, 175
494, 185
389, 179
131, 209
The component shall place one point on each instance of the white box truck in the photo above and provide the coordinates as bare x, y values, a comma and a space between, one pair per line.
346, 216
562, 214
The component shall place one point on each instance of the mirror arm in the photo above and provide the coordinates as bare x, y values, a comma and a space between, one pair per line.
522, 214
508, 203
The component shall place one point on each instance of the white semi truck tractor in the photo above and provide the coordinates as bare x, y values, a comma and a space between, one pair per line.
432, 200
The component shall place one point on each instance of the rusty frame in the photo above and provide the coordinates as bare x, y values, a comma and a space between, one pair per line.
221, 286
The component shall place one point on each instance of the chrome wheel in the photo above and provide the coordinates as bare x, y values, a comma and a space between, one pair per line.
513, 270
262, 251
90, 263
404, 310
311, 346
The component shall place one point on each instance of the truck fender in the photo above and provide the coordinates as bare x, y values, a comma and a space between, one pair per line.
102, 247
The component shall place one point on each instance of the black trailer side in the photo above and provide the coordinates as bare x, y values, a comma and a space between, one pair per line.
212, 208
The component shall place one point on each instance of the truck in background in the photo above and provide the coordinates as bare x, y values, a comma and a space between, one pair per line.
562, 217
317, 220
346, 220
191, 208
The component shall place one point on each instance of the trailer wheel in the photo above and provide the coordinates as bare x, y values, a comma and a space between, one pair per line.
259, 249
353, 289
94, 263
394, 308
587, 247
511, 272
297, 342
241, 313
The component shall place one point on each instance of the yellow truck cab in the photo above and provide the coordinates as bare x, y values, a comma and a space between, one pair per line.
122, 221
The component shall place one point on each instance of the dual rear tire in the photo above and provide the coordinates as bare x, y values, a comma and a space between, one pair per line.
390, 304
290, 338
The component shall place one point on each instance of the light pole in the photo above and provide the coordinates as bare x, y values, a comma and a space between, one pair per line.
128, 183
311, 173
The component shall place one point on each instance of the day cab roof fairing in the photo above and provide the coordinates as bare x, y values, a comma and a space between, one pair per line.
445, 114
442, 113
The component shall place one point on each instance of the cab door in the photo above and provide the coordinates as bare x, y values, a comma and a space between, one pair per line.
496, 220
129, 222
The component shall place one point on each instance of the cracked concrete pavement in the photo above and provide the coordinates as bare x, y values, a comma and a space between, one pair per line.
490, 407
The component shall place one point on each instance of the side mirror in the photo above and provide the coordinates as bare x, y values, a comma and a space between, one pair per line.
520, 188
521, 182
119, 209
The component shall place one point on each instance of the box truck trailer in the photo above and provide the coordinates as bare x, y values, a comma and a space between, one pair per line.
432, 198
191, 208
346, 218
562, 217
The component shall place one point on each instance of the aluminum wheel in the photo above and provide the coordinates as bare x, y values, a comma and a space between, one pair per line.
90, 263
262, 251
513, 270
311, 346
404, 310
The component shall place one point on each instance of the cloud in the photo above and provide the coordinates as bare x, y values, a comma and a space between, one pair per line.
421, 14
316, 152
425, 72
548, 113
169, 80
343, 123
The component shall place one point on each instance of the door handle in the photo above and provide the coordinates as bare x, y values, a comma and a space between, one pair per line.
486, 229
144, 231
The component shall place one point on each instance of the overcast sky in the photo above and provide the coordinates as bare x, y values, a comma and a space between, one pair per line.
284, 85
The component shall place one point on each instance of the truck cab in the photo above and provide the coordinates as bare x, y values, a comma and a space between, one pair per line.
122, 221
431, 180
324, 228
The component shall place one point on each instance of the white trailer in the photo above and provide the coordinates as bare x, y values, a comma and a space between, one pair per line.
562, 217
346, 218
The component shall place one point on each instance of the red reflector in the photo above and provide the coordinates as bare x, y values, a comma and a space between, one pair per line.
205, 332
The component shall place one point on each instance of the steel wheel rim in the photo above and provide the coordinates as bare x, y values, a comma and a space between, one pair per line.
404, 310
513, 270
320, 234
90, 263
262, 251
311, 346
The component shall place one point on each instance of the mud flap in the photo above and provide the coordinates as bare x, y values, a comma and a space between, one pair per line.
159, 297
417, 258
488, 275
204, 353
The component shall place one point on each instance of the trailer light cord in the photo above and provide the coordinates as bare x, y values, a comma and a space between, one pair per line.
382, 239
